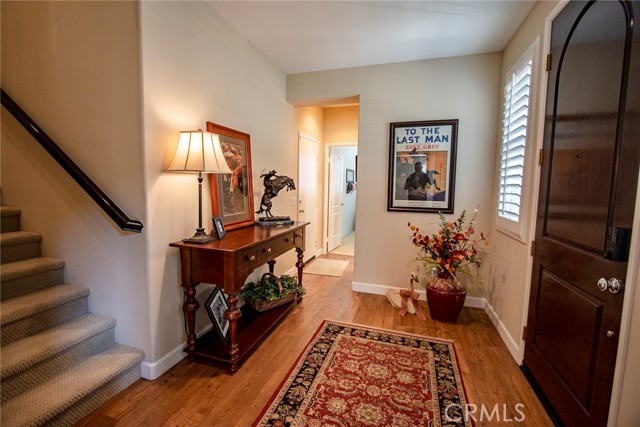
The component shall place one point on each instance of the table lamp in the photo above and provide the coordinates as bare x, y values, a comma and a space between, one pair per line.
199, 152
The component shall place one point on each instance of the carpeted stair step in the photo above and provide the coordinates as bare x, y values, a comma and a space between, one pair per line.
9, 219
30, 275
71, 395
19, 245
40, 372
58, 362
36, 312
50, 345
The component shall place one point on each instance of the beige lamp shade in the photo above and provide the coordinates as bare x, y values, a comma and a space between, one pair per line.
199, 151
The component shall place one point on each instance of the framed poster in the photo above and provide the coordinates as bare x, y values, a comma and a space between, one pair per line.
217, 306
422, 163
232, 193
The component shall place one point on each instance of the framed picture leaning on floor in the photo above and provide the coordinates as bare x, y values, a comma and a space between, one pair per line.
217, 306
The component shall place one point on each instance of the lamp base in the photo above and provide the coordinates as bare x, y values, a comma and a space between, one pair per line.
200, 238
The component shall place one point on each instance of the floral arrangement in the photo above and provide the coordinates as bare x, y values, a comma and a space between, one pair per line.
452, 249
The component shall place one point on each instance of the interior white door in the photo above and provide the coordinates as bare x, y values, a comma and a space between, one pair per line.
308, 192
336, 187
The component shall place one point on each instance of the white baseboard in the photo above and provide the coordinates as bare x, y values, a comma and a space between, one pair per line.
369, 288
473, 302
152, 371
509, 341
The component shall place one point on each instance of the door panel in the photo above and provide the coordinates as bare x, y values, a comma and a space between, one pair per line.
590, 168
568, 318
588, 97
308, 192
336, 180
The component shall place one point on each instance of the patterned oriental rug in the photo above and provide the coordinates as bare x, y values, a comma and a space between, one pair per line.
351, 375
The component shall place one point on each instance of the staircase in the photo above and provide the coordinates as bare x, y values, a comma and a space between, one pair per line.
58, 361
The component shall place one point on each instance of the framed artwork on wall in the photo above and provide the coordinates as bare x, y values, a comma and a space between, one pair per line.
422, 162
232, 194
351, 176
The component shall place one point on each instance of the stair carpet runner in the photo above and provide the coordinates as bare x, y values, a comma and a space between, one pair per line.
59, 362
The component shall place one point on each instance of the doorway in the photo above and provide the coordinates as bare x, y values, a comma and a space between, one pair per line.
341, 184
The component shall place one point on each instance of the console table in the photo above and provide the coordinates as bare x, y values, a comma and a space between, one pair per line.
227, 263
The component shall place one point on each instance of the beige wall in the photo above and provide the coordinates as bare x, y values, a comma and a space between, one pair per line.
508, 278
466, 88
341, 124
114, 83
628, 374
196, 68
75, 68
310, 121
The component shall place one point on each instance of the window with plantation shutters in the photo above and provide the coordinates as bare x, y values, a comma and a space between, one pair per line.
513, 149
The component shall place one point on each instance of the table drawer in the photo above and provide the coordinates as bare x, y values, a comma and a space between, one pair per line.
272, 248
248, 257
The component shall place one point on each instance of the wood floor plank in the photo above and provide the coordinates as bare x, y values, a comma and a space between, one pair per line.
202, 393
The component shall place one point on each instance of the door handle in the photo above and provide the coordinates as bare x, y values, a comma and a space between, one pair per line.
301, 211
613, 285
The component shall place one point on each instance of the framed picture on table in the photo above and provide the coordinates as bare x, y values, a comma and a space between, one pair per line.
219, 227
422, 163
217, 306
232, 193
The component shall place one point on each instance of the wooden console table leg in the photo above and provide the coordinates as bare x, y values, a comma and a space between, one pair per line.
300, 264
190, 306
272, 264
232, 314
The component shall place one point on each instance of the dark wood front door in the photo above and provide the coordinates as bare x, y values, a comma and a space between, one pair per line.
587, 195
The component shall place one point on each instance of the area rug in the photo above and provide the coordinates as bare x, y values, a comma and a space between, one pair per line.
326, 267
352, 375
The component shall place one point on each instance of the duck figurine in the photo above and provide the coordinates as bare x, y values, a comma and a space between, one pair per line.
406, 300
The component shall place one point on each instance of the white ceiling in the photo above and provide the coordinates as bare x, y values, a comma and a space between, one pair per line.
301, 36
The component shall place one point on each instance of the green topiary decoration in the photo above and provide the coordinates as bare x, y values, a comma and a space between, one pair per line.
267, 288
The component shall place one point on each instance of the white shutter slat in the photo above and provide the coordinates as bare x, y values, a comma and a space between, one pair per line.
515, 118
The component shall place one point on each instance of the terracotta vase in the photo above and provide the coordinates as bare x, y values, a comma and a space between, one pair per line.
445, 298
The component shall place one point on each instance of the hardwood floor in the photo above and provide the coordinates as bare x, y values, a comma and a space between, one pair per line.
201, 393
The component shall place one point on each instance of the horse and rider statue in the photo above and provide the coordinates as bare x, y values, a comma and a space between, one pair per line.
273, 183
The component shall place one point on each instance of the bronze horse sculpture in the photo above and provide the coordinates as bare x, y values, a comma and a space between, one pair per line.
273, 183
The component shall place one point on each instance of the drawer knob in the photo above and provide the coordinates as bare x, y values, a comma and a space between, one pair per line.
268, 250
298, 235
252, 258
287, 240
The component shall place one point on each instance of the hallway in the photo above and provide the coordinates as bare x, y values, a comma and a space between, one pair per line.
347, 247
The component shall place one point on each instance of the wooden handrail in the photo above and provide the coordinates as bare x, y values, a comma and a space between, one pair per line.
109, 207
